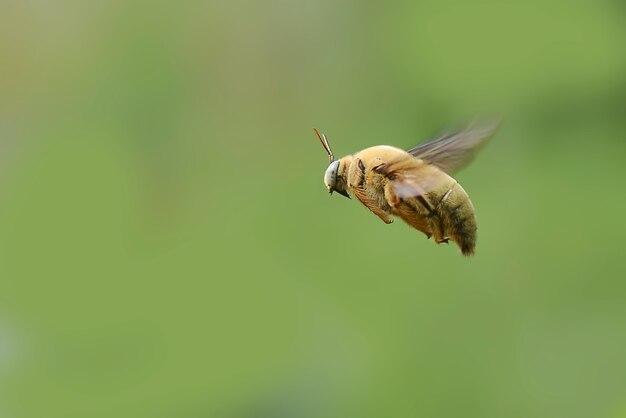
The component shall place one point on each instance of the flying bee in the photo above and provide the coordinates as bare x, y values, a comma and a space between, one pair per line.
415, 185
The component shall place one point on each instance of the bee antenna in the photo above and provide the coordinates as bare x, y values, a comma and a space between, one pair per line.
325, 144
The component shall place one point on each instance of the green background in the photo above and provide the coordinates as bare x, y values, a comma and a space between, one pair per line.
168, 248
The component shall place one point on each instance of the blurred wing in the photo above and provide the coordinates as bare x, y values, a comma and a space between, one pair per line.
408, 185
456, 149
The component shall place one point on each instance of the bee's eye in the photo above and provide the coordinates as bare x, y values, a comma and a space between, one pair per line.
330, 177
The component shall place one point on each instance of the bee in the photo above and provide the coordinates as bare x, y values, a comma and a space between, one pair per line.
415, 185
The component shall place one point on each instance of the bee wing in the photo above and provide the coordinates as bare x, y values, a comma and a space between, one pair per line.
456, 149
408, 185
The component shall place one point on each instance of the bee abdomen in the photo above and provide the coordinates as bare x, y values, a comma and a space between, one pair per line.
459, 220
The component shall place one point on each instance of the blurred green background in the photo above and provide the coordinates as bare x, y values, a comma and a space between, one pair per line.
168, 249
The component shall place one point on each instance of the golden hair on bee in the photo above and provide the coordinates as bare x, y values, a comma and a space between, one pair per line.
415, 185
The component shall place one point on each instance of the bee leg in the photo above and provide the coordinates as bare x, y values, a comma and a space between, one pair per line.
388, 219
373, 206
390, 195
385, 217
437, 228
407, 212
413, 219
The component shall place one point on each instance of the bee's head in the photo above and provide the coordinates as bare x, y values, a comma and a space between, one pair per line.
335, 176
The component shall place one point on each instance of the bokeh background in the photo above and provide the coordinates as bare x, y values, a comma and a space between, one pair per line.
168, 249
